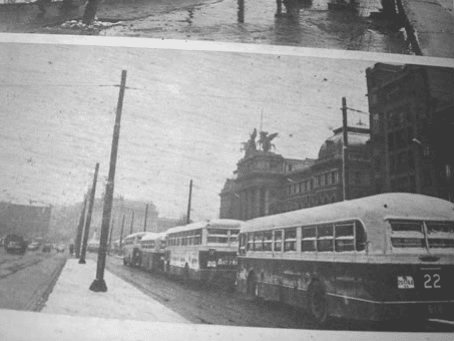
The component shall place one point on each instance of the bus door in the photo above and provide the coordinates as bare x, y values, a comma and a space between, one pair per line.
211, 259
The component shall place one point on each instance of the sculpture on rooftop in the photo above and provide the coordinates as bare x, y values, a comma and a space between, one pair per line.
250, 146
265, 141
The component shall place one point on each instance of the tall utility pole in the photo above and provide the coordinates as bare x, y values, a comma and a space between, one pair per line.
88, 220
145, 219
80, 227
121, 231
188, 216
344, 150
132, 221
110, 235
99, 285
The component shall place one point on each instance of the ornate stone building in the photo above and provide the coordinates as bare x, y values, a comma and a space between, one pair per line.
267, 183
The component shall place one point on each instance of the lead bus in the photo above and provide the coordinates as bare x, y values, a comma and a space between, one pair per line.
152, 246
204, 251
383, 257
132, 250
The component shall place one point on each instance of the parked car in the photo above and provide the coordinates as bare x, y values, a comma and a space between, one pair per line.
47, 247
15, 244
33, 246
60, 248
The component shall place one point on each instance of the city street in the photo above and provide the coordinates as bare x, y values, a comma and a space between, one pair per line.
310, 24
209, 305
26, 280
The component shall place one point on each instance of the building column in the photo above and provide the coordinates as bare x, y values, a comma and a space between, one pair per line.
267, 201
257, 202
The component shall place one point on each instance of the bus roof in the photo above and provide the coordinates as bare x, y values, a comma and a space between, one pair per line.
136, 234
214, 223
151, 236
372, 211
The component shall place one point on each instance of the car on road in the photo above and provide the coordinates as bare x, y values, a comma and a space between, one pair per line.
15, 244
33, 246
47, 247
60, 248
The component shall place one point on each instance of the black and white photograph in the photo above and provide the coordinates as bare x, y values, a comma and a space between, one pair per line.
409, 27
192, 193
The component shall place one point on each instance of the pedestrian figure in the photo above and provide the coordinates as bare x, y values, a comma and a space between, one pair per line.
42, 5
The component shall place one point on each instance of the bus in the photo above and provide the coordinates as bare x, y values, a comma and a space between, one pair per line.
204, 251
383, 257
132, 251
152, 246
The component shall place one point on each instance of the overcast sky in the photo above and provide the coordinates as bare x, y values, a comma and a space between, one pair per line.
185, 115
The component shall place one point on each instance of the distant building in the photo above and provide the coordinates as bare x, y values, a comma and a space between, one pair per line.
322, 182
266, 183
412, 128
128, 215
25, 220
166, 223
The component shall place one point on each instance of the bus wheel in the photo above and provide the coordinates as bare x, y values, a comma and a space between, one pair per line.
252, 287
318, 304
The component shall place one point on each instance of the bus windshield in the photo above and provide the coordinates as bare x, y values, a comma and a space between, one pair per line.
222, 236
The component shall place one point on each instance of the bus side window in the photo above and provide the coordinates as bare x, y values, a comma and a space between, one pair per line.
308, 239
345, 237
258, 241
278, 241
325, 237
360, 236
267, 240
290, 240
250, 242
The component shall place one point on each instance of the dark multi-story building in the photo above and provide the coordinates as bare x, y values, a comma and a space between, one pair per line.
25, 220
267, 183
412, 128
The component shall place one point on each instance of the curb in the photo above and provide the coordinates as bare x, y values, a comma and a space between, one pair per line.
39, 305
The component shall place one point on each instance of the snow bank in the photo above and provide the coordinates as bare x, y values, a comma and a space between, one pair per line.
71, 296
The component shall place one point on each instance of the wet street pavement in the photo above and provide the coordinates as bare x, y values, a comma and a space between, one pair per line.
311, 25
307, 23
26, 280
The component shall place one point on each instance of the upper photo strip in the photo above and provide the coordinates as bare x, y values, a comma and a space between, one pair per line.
415, 27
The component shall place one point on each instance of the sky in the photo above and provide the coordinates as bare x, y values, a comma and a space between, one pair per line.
185, 115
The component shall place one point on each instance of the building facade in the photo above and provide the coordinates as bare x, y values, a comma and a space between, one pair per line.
25, 220
322, 182
266, 183
412, 128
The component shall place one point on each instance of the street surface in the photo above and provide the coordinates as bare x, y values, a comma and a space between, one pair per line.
246, 21
212, 306
26, 280
243, 21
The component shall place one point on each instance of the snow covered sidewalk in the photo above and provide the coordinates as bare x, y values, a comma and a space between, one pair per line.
433, 23
71, 296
